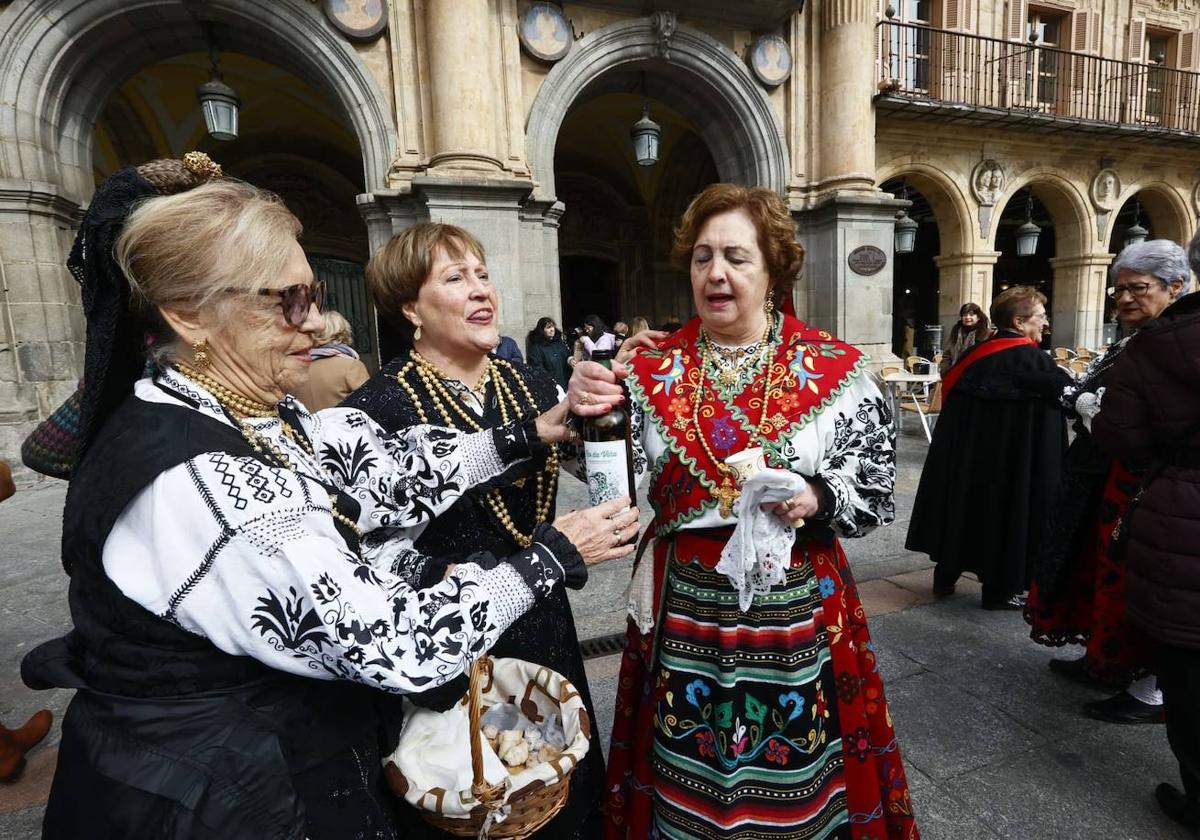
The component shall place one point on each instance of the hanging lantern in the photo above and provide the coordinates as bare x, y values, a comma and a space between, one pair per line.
906, 233
646, 134
219, 103
1028, 233
1136, 233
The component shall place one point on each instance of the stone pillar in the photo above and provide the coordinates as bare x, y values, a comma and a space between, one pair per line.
41, 319
847, 83
1077, 318
855, 308
462, 85
963, 278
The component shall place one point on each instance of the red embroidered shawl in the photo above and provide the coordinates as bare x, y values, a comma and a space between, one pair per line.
808, 370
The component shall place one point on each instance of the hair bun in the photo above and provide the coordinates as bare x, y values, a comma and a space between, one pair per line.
170, 176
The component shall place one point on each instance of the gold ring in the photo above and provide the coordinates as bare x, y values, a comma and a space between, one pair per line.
586, 399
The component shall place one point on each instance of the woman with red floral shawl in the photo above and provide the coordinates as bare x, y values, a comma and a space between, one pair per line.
768, 721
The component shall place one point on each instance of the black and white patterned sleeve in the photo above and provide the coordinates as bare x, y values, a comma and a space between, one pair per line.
249, 557
405, 478
858, 461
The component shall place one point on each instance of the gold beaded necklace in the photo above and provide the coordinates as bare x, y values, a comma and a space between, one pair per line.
241, 409
727, 492
433, 381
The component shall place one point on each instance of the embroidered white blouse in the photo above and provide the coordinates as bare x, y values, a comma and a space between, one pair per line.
248, 556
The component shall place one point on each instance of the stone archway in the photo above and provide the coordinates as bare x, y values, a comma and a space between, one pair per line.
60, 61
1168, 209
689, 70
1080, 263
63, 58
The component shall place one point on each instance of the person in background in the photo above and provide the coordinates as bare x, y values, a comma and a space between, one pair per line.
991, 473
508, 350
336, 369
638, 325
15, 743
670, 325
596, 336
1078, 592
620, 333
546, 349
1151, 417
971, 328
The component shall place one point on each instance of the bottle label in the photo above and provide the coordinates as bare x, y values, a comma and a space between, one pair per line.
607, 470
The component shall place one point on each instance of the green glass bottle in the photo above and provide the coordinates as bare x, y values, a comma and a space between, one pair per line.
608, 449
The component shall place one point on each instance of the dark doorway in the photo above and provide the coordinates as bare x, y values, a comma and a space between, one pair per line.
589, 286
915, 286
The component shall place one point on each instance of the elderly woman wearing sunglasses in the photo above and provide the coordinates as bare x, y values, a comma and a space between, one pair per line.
232, 646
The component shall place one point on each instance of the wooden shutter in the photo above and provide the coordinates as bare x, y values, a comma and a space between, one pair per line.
1018, 20
1137, 40
1189, 50
1189, 80
952, 14
1086, 82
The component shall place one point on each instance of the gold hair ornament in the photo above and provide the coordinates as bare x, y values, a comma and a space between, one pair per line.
199, 163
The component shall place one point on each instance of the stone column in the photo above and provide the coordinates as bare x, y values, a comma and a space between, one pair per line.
462, 85
847, 83
1077, 318
963, 278
854, 307
41, 319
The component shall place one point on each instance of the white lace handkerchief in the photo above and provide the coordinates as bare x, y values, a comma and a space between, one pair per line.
759, 552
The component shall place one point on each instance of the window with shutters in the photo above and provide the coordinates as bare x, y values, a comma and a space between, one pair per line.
912, 42
1160, 55
1047, 31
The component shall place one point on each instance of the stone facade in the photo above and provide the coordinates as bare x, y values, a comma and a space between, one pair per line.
456, 122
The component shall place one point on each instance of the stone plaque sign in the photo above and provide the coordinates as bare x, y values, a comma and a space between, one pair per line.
866, 260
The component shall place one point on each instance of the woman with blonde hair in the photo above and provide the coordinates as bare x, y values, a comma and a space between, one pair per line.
336, 369
234, 635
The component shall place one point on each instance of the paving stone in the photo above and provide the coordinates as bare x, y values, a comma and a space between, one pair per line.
940, 815
945, 732
1062, 794
33, 787
880, 597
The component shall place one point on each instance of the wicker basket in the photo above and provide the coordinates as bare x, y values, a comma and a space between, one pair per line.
502, 811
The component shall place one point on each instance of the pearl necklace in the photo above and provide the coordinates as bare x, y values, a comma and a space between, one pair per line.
727, 493
240, 409
433, 381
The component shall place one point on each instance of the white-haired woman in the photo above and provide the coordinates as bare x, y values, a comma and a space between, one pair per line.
1078, 593
231, 643
336, 371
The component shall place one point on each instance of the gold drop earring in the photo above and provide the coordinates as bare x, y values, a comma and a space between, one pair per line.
200, 354
769, 306
417, 333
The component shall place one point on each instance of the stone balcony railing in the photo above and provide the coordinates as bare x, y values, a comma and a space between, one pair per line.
977, 80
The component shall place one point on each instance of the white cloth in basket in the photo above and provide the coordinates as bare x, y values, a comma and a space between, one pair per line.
537, 692
759, 552
435, 745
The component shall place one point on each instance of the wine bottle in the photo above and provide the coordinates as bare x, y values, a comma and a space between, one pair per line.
608, 450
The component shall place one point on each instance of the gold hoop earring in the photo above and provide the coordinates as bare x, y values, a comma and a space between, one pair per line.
417, 333
200, 353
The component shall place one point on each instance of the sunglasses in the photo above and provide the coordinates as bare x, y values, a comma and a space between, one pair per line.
297, 300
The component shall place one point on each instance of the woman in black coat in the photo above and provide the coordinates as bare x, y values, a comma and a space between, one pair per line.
1151, 416
546, 349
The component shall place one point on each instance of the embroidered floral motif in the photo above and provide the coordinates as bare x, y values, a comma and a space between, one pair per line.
858, 744
777, 751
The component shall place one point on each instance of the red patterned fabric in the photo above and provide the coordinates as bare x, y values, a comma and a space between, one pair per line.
877, 797
808, 370
1089, 605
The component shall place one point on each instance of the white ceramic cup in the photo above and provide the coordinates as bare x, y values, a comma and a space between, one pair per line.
747, 462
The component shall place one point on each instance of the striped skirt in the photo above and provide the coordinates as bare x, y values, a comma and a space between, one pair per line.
764, 724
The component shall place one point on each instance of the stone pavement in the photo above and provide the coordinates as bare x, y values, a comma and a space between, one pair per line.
996, 745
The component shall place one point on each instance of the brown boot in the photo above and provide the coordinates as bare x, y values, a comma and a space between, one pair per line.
14, 743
